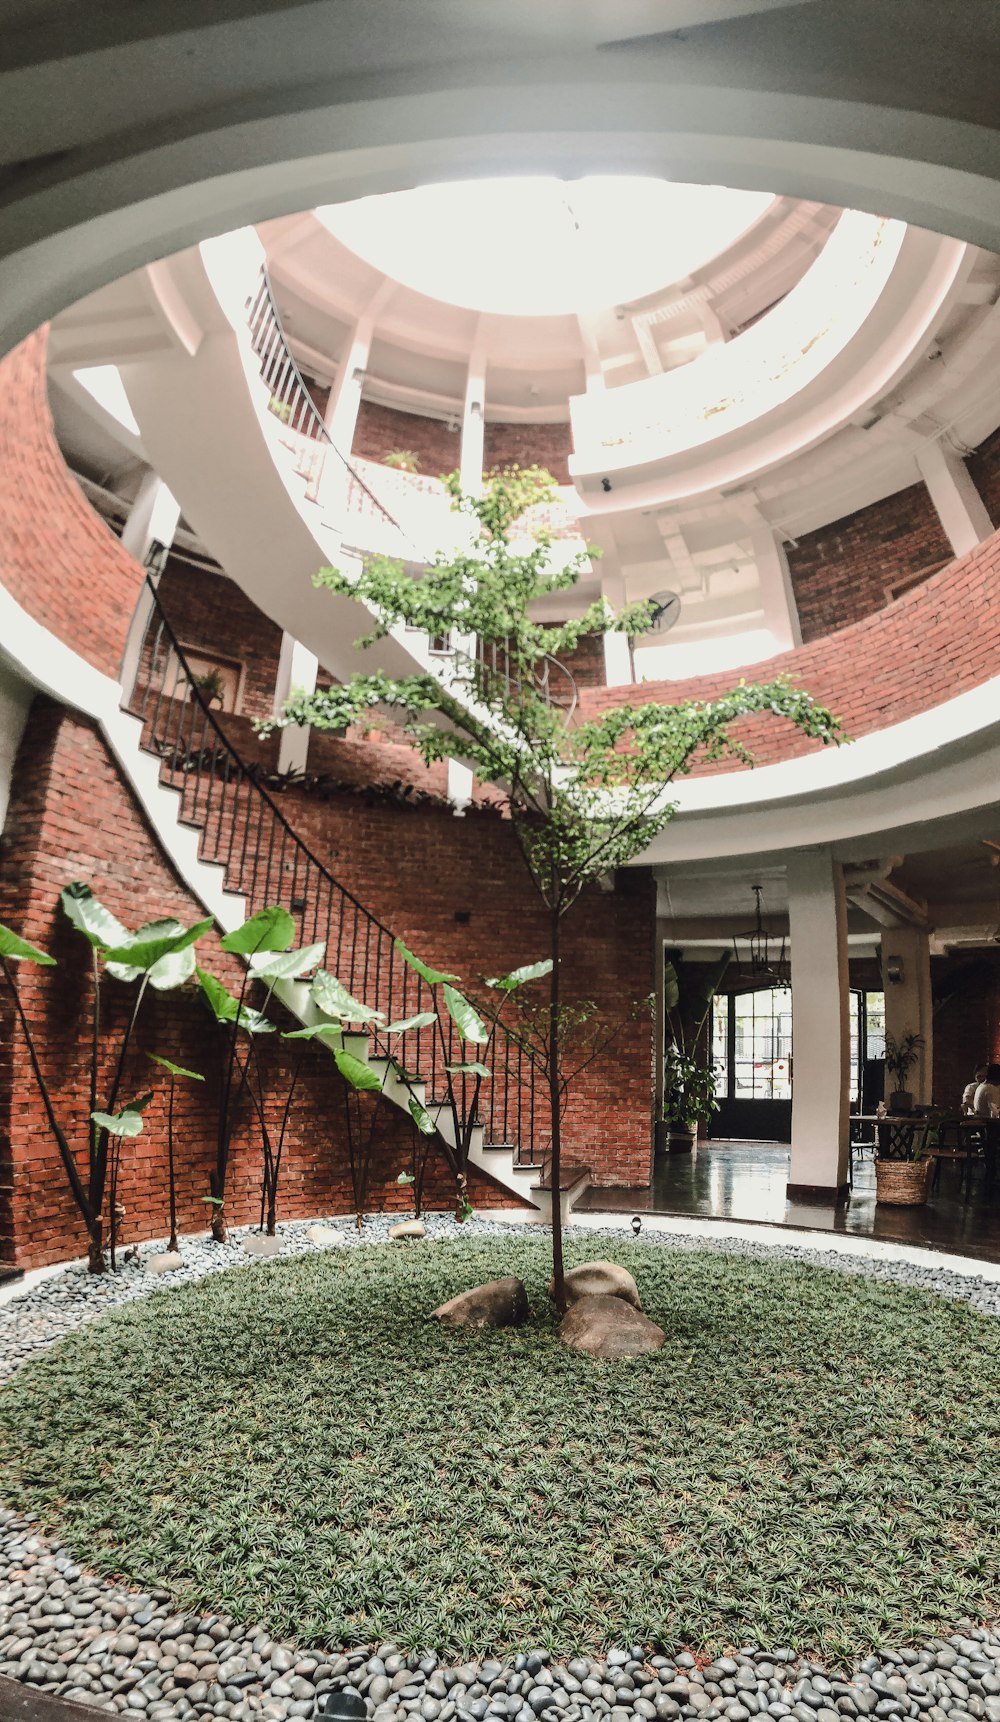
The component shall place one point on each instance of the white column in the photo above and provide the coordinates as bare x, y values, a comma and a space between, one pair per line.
297, 668
15, 700
908, 1003
958, 504
619, 663
152, 518
821, 1029
781, 616
341, 416
474, 424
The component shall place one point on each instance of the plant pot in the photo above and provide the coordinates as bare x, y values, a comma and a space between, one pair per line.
680, 1140
901, 1101
902, 1183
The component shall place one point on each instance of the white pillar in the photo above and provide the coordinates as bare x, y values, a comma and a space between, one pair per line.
908, 1003
15, 700
152, 518
781, 615
474, 424
341, 416
821, 1029
297, 668
958, 504
619, 662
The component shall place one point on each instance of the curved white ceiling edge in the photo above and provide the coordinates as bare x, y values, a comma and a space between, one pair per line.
900, 320
87, 222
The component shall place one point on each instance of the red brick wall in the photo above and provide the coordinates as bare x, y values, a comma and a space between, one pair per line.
935, 642
211, 613
548, 445
586, 664
382, 430
57, 557
72, 817
840, 573
984, 470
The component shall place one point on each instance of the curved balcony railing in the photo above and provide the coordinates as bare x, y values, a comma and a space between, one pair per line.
242, 829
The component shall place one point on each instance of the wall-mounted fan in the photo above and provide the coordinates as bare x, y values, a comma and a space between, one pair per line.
666, 608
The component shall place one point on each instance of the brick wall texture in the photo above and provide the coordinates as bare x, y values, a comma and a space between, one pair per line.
52, 544
843, 572
382, 430
72, 817
211, 613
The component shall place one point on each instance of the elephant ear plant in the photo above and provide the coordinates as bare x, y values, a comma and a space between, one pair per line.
263, 942
160, 955
344, 1017
173, 1071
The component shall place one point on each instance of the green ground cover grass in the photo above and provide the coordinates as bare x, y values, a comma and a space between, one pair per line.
811, 1461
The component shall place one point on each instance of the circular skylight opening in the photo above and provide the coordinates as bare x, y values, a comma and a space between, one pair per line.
543, 247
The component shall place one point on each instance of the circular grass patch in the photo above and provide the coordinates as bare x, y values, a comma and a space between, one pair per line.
810, 1461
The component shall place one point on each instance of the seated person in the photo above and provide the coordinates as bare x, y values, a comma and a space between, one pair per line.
986, 1100
969, 1091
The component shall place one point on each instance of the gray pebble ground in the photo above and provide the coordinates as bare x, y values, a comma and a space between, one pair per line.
87, 1639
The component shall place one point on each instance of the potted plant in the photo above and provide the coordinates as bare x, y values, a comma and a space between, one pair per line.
902, 1169
688, 1079
900, 1057
688, 1100
403, 459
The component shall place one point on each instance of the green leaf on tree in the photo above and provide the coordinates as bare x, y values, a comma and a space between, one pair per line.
331, 997
271, 929
175, 1069
433, 977
466, 1018
97, 924
421, 1117
361, 1076
521, 977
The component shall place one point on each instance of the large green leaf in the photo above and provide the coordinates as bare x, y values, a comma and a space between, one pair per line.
671, 987
467, 1020
175, 1069
127, 1122
521, 977
18, 950
331, 997
286, 965
360, 1076
173, 970
472, 1068
421, 1117
139, 952
97, 924
225, 1007
432, 976
423, 1019
328, 1032
270, 929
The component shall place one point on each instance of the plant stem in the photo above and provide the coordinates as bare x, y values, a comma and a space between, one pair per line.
172, 1244
555, 1112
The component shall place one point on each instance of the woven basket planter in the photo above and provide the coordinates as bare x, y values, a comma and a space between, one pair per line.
903, 1183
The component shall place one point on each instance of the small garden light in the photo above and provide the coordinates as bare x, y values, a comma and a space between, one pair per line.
344, 1706
636, 1225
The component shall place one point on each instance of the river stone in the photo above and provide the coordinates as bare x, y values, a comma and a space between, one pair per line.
259, 1244
500, 1303
408, 1229
609, 1327
166, 1263
600, 1279
326, 1235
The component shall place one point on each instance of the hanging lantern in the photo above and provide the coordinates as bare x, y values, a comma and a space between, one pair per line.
766, 964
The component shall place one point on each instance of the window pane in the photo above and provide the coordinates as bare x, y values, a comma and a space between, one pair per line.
762, 1065
720, 1026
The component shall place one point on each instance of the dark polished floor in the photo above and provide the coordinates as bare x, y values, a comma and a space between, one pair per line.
746, 1181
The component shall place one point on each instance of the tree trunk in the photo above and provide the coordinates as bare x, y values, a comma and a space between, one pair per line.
95, 1254
172, 1241
555, 1119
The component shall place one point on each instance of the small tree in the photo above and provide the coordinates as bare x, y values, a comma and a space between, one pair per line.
584, 797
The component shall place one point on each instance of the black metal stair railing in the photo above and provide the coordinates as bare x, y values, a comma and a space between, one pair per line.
292, 402
241, 828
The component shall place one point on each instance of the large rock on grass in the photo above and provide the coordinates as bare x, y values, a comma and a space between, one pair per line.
407, 1229
500, 1303
600, 1279
609, 1327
